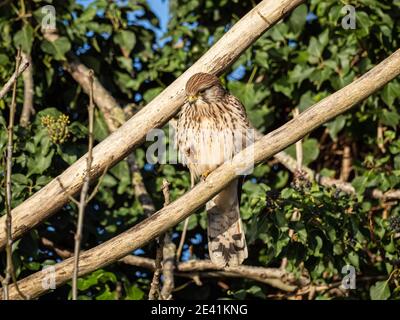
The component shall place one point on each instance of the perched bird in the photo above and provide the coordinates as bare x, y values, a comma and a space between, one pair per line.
211, 128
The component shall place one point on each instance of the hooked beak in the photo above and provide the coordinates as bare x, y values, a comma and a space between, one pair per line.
192, 99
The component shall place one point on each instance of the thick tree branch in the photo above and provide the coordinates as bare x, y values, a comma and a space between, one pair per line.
118, 145
114, 117
136, 237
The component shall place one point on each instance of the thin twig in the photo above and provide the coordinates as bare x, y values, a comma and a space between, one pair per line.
27, 108
185, 227
96, 188
154, 292
346, 164
22, 66
84, 194
182, 240
71, 198
169, 254
299, 145
10, 274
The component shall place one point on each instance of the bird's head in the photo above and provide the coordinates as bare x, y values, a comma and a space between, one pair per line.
205, 88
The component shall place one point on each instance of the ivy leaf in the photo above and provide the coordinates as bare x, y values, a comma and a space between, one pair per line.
57, 48
310, 151
360, 184
297, 19
380, 291
134, 293
390, 118
390, 92
126, 40
335, 126
40, 163
100, 129
24, 38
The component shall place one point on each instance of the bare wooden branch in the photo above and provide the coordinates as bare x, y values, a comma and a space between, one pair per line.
22, 67
27, 108
139, 188
346, 187
154, 292
119, 246
205, 268
10, 273
84, 193
275, 277
113, 114
169, 254
299, 146
155, 283
346, 164
45, 202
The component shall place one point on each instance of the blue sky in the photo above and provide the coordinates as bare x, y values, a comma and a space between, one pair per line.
159, 7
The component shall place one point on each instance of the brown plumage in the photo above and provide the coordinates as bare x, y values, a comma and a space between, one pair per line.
211, 129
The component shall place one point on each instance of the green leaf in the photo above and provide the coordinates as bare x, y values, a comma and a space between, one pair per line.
100, 129
360, 184
380, 291
151, 94
297, 19
335, 126
24, 38
126, 40
310, 151
134, 293
389, 118
40, 163
390, 93
57, 48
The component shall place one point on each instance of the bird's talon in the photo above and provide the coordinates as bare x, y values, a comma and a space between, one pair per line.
205, 174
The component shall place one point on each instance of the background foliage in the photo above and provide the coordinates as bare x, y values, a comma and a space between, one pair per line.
297, 63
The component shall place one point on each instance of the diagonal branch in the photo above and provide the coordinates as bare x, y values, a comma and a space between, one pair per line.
137, 236
114, 117
117, 146
22, 67
193, 269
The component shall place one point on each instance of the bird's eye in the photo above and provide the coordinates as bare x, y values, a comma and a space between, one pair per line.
202, 91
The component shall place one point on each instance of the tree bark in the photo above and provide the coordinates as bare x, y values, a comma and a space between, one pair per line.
53, 196
27, 109
137, 236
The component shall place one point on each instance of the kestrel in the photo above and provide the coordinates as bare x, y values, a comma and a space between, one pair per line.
213, 127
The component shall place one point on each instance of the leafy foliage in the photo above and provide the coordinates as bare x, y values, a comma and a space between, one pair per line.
295, 64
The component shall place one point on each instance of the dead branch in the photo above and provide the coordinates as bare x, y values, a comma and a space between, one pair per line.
114, 116
143, 232
290, 163
10, 273
346, 164
84, 193
155, 283
22, 67
50, 198
27, 108
169, 254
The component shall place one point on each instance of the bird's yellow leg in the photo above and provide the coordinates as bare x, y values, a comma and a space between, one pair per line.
205, 174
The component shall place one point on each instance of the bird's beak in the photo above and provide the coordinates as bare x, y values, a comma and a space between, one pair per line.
192, 99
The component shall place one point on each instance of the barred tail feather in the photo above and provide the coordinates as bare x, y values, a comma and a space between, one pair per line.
226, 238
